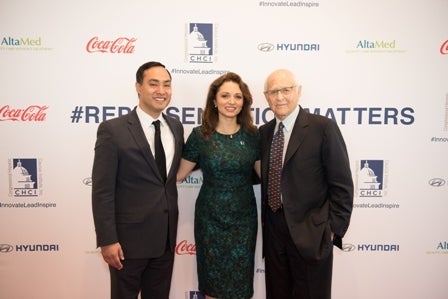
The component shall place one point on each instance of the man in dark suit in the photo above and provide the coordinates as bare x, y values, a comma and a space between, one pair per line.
134, 203
315, 199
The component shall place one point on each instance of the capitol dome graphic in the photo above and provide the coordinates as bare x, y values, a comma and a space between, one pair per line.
21, 178
367, 180
197, 44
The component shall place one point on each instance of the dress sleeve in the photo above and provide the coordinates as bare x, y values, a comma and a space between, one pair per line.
192, 146
257, 146
255, 179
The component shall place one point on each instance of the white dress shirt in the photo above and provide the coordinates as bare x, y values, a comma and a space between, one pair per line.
288, 124
165, 133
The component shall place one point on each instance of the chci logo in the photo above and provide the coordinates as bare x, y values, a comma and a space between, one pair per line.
200, 43
195, 295
371, 178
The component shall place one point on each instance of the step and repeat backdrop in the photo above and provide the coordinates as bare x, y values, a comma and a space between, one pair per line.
377, 68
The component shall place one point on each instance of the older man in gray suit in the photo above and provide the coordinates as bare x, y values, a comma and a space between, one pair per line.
134, 195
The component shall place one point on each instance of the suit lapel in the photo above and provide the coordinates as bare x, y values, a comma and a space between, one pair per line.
298, 134
135, 129
266, 146
178, 140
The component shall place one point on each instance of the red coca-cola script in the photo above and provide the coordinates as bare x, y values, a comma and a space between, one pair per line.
31, 113
444, 48
121, 45
183, 247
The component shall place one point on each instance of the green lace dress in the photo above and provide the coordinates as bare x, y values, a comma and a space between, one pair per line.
225, 222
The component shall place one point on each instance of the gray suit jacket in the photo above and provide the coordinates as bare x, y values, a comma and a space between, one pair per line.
317, 186
131, 203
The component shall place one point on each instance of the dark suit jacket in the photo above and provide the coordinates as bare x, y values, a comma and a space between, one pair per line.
131, 203
317, 186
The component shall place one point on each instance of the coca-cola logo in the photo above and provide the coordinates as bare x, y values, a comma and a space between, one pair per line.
444, 48
121, 45
31, 113
183, 247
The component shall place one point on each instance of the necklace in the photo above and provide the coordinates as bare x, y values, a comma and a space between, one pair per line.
228, 132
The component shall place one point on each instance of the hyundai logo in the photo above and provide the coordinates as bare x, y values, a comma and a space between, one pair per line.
266, 47
5, 248
348, 247
436, 182
87, 181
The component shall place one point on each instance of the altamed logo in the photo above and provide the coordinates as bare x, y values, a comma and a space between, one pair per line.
28, 42
439, 248
22, 43
194, 180
366, 44
375, 46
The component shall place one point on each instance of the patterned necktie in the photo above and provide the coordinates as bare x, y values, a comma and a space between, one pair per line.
159, 152
275, 169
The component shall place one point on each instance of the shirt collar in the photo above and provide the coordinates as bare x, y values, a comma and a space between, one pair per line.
289, 121
146, 119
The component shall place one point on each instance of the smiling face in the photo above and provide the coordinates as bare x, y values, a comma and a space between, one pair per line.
282, 93
154, 92
229, 100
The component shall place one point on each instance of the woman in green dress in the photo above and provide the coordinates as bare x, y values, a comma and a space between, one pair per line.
225, 147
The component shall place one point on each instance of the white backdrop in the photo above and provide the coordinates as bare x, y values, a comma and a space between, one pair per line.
378, 68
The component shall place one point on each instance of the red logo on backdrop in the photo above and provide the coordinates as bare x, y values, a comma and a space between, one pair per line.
31, 113
444, 48
185, 248
121, 45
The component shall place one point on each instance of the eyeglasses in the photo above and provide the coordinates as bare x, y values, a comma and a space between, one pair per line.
286, 91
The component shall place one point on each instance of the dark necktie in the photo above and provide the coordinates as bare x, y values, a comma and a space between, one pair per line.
275, 169
159, 152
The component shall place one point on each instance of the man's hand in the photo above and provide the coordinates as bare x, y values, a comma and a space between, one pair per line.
113, 255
